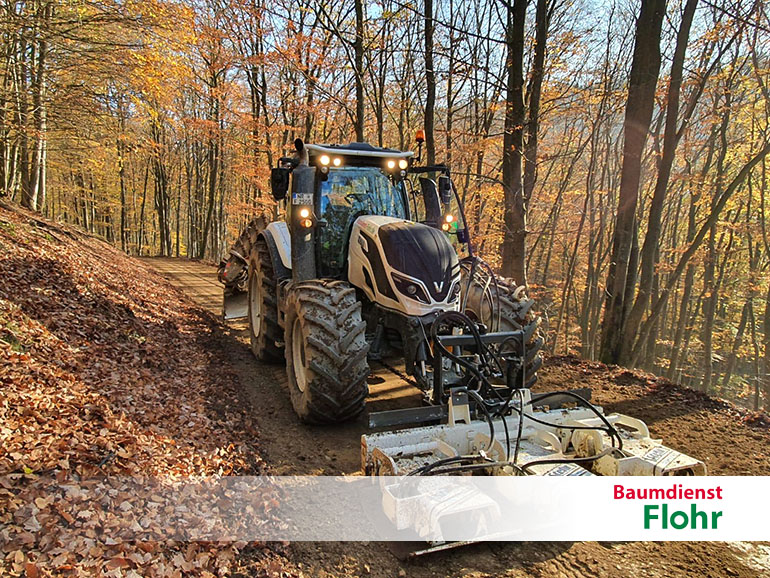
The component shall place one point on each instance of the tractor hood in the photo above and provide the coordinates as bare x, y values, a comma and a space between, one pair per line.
402, 265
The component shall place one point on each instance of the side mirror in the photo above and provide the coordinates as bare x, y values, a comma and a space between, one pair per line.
445, 189
431, 202
279, 183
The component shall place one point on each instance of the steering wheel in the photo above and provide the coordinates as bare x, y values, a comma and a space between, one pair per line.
355, 197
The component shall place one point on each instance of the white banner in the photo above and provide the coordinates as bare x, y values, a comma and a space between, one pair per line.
428, 509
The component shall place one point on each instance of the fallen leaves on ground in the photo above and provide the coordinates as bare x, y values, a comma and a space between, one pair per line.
105, 374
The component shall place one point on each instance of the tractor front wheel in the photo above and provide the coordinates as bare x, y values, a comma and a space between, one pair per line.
504, 306
326, 351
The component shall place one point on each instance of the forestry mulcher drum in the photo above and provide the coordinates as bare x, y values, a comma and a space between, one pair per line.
374, 260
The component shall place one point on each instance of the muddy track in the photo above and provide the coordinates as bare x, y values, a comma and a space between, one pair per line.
696, 425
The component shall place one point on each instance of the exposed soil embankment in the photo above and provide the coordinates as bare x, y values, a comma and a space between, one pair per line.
731, 440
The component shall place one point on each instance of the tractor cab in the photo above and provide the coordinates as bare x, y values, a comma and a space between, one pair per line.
332, 186
351, 181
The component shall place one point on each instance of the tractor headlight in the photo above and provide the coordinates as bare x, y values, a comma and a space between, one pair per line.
403, 164
410, 288
391, 164
324, 160
337, 161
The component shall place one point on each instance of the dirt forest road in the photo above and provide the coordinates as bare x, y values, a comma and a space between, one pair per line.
292, 448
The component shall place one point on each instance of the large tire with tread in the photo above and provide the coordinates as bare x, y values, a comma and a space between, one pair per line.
515, 313
264, 331
326, 351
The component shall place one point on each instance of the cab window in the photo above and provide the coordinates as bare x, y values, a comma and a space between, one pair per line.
346, 194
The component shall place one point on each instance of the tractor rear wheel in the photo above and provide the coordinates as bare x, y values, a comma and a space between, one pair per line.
506, 307
264, 331
325, 351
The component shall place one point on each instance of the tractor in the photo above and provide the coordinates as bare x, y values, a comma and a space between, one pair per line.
365, 265
374, 259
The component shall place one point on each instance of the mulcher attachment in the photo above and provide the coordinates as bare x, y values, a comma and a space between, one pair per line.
560, 441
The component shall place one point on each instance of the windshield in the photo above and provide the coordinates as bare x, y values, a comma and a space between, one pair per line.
346, 194
368, 189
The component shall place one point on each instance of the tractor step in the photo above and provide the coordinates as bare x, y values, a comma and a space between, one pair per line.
235, 305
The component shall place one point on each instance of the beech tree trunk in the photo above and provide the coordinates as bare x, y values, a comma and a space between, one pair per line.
651, 245
515, 213
358, 50
766, 363
737, 342
643, 81
709, 310
430, 86
542, 19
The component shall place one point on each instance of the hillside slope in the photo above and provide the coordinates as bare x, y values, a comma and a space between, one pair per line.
105, 369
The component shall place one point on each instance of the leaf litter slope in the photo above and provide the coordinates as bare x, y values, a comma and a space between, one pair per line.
105, 370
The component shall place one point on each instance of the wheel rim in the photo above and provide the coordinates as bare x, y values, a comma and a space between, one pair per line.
255, 305
298, 356
486, 311
478, 318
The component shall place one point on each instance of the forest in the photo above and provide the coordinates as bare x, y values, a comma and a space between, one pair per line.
611, 154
